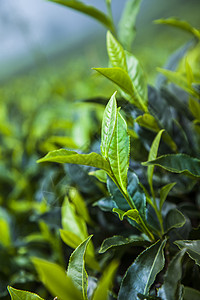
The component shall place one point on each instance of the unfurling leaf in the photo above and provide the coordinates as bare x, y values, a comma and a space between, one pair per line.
115, 52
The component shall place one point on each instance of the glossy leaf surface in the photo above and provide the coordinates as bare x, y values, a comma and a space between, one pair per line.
192, 248
120, 77
164, 192
76, 268
169, 289
66, 156
190, 293
22, 295
118, 154
174, 219
115, 52
119, 241
177, 163
141, 274
108, 125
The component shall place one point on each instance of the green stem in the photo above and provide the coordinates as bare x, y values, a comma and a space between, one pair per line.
159, 215
132, 205
109, 10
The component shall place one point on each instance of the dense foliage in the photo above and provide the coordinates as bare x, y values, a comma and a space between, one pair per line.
124, 190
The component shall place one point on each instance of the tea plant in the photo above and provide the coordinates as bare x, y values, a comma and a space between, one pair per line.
148, 159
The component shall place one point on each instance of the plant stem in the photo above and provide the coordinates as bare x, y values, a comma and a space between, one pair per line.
132, 205
109, 10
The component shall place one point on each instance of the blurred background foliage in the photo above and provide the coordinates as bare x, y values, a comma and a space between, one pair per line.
41, 109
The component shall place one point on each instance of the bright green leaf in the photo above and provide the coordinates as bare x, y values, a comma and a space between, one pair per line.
172, 278
132, 214
177, 163
88, 10
180, 24
115, 52
148, 121
164, 192
56, 280
108, 125
141, 274
76, 268
127, 23
105, 283
119, 150
192, 248
22, 295
101, 175
152, 155
67, 156
120, 77
5, 236
118, 241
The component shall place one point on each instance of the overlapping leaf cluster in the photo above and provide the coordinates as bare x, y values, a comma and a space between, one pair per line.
144, 203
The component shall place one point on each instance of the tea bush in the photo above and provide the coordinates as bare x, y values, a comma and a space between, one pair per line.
128, 201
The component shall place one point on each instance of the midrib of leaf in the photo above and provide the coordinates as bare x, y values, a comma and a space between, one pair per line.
160, 249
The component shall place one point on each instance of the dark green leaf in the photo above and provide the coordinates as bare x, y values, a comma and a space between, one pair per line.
118, 154
115, 52
66, 156
88, 10
192, 248
174, 219
127, 23
56, 280
118, 241
142, 273
76, 268
22, 295
172, 278
177, 163
108, 125
191, 294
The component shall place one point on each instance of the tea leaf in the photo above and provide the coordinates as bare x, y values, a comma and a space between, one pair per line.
76, 268
180, 24
172, 278
105, 283
118, 154
120, 77
22, 295
194, 107
177, 163
119, 241
132, 214
115, 52
190, 293
174, 219
100, 175
70, 238
72, 157
88, 10
152, 155
56, 280
141, 274
126, 30
108, 125
192, 249
148, 121
179, 80
164, 192
139, 81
